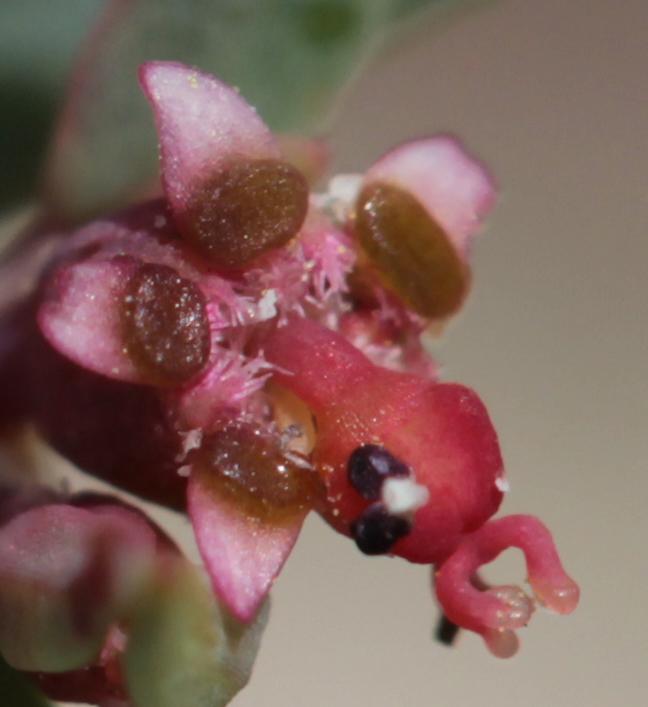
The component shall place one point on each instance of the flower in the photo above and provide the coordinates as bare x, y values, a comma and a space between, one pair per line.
99, 605
248, 351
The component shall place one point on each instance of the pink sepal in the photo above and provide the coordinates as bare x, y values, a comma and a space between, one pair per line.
456, 190
80, 316
202, 123
243, 554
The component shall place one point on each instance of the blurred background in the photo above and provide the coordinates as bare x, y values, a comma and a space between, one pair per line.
552, 95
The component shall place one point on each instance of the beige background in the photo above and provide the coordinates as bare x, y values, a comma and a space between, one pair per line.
552, 94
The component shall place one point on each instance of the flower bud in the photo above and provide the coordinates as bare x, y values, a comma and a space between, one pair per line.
65, 574
184, 648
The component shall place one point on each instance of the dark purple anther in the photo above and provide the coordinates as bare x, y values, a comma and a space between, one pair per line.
376, 531
369, 466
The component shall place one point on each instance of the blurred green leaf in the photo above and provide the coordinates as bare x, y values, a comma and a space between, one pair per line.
184, 649
17, 691
290, 58
38, 42
403, 8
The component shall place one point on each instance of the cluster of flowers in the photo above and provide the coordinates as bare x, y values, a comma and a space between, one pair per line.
247, 351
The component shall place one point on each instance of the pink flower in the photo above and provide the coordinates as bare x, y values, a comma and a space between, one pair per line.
250, 351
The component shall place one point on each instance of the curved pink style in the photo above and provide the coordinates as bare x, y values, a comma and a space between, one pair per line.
496, 612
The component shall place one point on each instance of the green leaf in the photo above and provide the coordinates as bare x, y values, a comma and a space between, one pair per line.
184, 648
17, 691
289, 58
435, 9
38, 42
403, 8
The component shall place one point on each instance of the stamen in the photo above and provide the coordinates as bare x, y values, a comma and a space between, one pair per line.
376, 531
370, 465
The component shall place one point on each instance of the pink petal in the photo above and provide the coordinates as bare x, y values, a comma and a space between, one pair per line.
243, 554
81, 316
454, 188
201, 123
